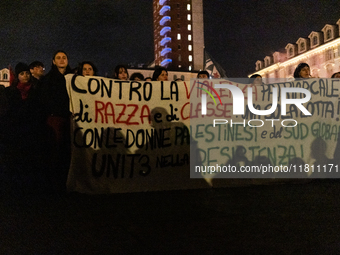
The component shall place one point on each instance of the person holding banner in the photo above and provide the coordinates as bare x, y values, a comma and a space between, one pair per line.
160, 74
121, 73
56, 104
302, 71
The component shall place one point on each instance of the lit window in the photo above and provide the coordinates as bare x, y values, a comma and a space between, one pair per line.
189, 27
314, 60
188, 7
189, 17
178, 36
190, 68
190, 58
179, 66
329, 54
189, 37
291, 52
302, 46
290, 69
190, 47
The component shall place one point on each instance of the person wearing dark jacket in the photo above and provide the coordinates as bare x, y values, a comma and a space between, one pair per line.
56, 104
22, 127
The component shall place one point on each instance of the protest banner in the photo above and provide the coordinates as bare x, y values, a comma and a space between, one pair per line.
277, 144
129, 136
132, 136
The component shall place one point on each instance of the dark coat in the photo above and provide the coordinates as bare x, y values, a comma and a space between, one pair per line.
54, 94
20, 119
22, 129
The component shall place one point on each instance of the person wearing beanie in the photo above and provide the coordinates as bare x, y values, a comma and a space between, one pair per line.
302, 71
22, 125
22, 79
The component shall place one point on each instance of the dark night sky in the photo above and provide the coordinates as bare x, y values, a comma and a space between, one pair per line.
237, 33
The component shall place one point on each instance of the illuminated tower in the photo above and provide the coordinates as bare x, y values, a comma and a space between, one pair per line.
178, 34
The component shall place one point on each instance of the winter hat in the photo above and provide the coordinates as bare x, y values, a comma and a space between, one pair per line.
20, 67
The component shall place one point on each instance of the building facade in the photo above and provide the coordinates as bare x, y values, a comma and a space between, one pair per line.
178, 34
4, 77
320, 50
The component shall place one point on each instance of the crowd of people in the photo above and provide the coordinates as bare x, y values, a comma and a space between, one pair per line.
35, 116
35, 119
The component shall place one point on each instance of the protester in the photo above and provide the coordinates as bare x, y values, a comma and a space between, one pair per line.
56, 104
302, 71
160, 74
336, 75
37, 70
87, 68
22, 130
203, 75
148, 79
255, 79
121, 73
137, 77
